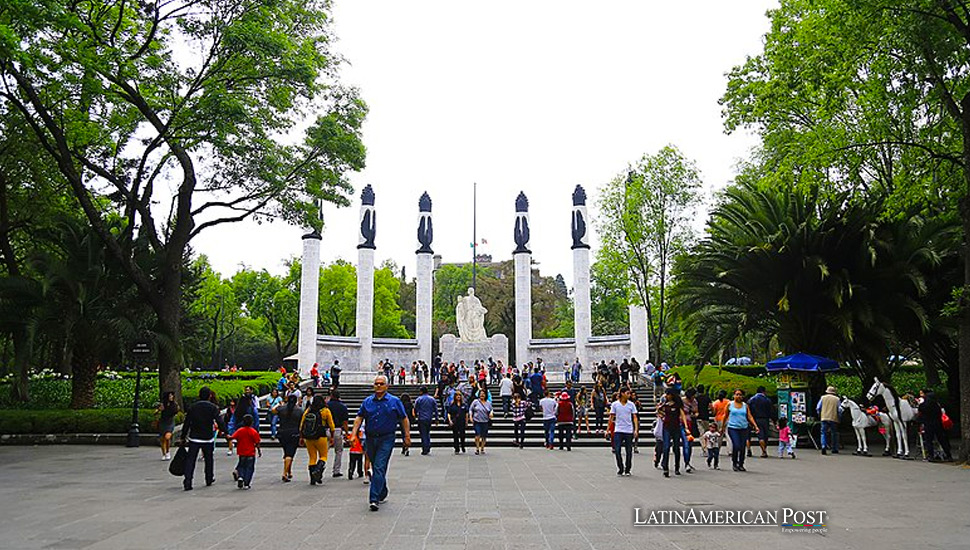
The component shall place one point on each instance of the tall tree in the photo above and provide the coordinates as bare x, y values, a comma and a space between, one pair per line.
273, 300
32, 200
179, 112
218, 304
870, 92
645, 223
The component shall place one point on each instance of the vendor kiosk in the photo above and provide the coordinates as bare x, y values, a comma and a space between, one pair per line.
801, 381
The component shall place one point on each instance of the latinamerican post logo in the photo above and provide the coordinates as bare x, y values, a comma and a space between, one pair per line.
789, 520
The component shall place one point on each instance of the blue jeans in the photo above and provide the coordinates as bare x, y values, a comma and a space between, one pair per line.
687, 445
549, 425
273, 421
424, 428
190, 458
738, 438
623, 441
830, 434
245, 468
379, 449
672, 442
506, 403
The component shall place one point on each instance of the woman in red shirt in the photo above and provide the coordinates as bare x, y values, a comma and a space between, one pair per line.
565, 416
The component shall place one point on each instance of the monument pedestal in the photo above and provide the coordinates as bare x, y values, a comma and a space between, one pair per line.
454, 350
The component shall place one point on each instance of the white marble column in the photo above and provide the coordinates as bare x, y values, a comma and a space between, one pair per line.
365, 279
365, 306
639, 339
422, 317
309, 301
424, 291
522, 257
582, 307
523, 307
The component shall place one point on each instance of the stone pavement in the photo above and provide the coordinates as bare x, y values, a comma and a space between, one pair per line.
111, 497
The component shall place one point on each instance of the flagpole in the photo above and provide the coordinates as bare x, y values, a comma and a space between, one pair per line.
474, 234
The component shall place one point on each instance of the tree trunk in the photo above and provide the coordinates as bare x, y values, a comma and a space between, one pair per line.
21, 360
83, 383
169, 342
963, 397
927, 353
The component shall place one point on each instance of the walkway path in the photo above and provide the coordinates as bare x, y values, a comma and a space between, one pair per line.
108, 497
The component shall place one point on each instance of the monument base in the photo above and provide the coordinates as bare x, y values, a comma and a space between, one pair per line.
454, 350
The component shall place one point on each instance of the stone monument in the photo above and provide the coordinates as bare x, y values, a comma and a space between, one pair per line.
470, 318
472, 342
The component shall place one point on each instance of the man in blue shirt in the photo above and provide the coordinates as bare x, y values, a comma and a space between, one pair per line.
761, 410
383, 412
537, 383
426, 411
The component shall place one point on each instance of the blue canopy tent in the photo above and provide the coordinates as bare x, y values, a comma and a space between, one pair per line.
794, 394
802, 362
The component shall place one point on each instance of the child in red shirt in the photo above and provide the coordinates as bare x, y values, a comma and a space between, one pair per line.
247, 447
356, 457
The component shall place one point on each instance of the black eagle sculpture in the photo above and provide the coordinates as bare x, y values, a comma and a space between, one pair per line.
521, 224
368, 224
579, 223
425, 230
579, 230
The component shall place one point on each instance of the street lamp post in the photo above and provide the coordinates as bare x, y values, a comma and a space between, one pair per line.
140, 351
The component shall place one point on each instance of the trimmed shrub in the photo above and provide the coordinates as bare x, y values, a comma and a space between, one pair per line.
713, 381
118, 391
108, 421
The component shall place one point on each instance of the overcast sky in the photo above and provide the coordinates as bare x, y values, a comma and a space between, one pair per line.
533, 96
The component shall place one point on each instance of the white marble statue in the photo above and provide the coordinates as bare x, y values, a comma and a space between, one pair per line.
470, 317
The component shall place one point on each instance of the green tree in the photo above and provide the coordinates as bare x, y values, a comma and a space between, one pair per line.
273, 300
120, 112
870, 93
337, 310
218, 304
644, 224
91, 309
338, 301
822, 273
387, 310
609, 302
32, 200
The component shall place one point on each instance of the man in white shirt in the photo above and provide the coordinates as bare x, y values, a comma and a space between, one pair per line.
549, 408
505, 392
626, 426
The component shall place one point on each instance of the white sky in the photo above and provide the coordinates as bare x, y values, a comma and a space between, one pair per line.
536, 96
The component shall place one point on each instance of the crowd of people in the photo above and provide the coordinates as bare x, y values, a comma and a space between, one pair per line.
312, 416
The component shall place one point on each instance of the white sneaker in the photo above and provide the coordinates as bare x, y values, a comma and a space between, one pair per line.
229, 452
168, 456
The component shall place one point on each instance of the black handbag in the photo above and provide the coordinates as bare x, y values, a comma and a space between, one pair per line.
176, 466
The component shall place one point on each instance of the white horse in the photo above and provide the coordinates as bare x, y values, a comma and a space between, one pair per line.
861, 421
901, 413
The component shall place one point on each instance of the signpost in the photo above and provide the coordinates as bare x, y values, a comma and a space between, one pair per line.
140, 350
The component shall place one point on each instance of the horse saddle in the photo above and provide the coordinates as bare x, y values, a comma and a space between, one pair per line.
872, 421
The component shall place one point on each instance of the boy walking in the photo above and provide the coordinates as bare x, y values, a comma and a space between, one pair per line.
247, 447
711, 441
356, 457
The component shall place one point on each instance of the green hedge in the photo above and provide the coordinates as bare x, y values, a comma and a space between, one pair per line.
743, 370
714, 381
118, 393
103, 421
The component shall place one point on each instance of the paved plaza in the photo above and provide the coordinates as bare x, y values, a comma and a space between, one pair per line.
110, 497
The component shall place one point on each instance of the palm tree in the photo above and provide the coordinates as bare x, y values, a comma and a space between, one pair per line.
825, 274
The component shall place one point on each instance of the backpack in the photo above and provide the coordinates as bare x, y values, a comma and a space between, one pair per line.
529, 413
312, 428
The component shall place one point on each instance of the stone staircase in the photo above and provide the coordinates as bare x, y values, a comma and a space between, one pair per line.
501, 432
